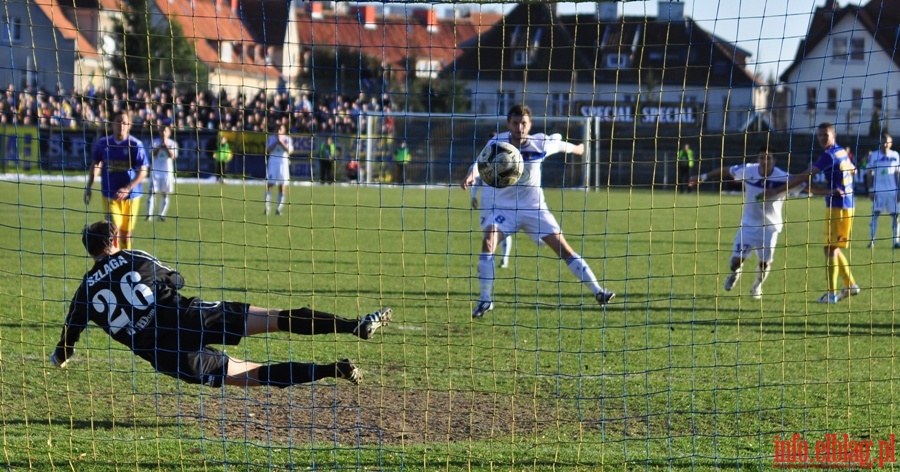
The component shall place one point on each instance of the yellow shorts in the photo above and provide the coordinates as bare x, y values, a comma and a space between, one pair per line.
838, 222
123, 213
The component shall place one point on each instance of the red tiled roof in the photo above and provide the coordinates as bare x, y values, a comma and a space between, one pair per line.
206, 26
394, 38
65, 27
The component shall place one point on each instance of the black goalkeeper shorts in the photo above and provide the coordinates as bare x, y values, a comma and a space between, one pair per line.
184, 352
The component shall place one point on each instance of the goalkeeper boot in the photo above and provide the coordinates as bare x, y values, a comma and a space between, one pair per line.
345, 369
481, 308
371, 322
829, 297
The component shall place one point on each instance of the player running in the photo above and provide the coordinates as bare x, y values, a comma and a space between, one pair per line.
761, 222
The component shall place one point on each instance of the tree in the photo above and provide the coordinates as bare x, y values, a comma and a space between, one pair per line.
442, 95
875, 124
155, 55
341, 71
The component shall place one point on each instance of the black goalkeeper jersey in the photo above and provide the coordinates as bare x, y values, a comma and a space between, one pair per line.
130, 295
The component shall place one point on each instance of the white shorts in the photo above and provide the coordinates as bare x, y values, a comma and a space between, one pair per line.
761, 239
535, 223
162, 181
278, 171
885, 202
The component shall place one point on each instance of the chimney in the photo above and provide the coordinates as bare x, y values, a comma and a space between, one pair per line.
607, 11
367, 16
315, 10
431, 21
670, 10
428, 17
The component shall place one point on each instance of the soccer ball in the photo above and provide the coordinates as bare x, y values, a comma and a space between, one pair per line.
500, 164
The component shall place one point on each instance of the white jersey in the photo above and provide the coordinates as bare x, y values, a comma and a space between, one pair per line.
527, 192
757, 213
885, 169
278, 165
163, 160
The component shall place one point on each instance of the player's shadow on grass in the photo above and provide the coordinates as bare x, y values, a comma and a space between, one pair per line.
108, 425
780, 326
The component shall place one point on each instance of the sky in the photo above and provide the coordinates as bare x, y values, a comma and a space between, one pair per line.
770, 30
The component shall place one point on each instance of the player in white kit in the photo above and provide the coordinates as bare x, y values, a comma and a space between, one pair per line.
522, 207
883, 180
279, 148
761, 222
162, 172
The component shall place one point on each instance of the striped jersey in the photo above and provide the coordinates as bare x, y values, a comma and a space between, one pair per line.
527, 192
122, 161
835, 165
756, 212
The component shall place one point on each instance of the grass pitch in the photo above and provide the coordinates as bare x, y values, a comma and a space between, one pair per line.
676, 373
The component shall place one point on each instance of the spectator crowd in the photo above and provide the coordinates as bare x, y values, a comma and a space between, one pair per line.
325, 114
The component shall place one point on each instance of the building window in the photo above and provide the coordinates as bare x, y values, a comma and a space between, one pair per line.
857, 49
843, 47
811, 98
616, 61
832, 99
427, 69
505, 101
839, 49
878, 99
12, 31
857, 99
559, 104
520, 58
525, 42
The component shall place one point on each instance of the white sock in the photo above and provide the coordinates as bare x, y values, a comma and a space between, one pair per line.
165, 205
280, 201
873, 226
895, 228
583, 272
150, 205
506, 247
268, 199
486, 277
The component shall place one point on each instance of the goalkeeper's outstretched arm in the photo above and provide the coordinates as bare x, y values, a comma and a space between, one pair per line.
76, 322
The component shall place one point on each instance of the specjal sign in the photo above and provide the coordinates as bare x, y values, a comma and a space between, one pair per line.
663, 114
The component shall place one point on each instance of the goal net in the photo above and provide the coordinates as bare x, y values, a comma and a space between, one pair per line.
660, 302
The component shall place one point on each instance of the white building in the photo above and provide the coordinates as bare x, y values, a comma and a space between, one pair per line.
847, 71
